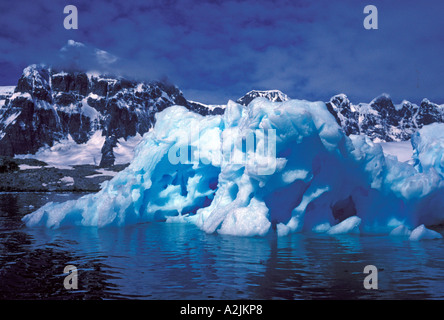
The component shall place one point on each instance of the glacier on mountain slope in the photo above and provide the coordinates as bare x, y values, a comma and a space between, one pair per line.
200, 170
67, 153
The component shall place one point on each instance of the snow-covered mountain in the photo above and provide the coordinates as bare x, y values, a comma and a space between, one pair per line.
203, 108
5, 93
55, 114
51, 108
272, 95
381, 119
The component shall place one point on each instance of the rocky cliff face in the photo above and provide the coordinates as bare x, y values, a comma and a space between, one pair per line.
50, 105
381, 119
272, 95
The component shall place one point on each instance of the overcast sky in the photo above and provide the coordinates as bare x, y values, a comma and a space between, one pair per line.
219, 50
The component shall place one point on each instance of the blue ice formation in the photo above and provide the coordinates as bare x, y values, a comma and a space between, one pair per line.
222, 174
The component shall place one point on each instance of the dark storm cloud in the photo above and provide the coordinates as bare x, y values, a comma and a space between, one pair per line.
218, 50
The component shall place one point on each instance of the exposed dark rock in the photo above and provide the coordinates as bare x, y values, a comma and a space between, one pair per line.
7, 165
108, 157
50, 105
40, 178
272, 95
381, 119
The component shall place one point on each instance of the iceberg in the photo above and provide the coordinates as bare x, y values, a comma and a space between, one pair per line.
349, 225
422, 233
401, 231
267, 167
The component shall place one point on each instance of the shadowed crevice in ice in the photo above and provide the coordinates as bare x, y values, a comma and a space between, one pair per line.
201, 170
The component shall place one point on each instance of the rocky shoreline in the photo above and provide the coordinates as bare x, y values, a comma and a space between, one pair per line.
30, 175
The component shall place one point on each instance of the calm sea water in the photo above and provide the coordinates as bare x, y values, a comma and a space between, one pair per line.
177, 261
